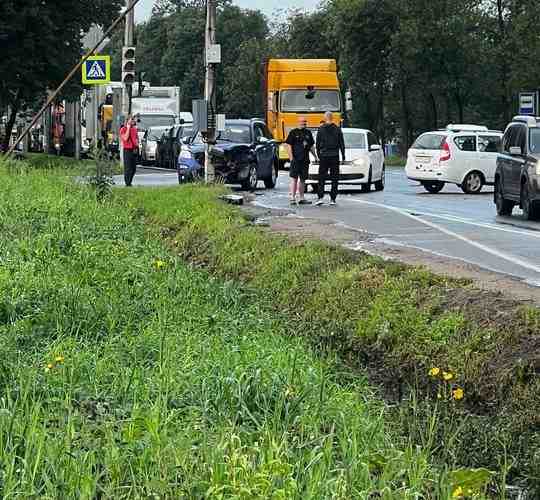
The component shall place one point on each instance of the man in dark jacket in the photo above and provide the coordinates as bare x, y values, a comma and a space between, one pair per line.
330, 144
299, 143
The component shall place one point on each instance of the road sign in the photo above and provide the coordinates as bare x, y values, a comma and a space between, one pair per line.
528, 103
96, 70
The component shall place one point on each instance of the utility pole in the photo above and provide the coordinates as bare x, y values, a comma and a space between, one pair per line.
210, 87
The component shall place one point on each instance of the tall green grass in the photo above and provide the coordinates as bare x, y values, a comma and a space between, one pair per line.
128, 373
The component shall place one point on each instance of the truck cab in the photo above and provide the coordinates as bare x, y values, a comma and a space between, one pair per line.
300, 87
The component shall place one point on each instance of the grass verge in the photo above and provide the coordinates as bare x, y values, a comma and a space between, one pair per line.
129, 373
470, 356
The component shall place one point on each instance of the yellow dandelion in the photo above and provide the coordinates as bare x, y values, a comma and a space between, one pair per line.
448, 376
59, 359
50, 366
159, 264
458, 394
434, 372
458, 492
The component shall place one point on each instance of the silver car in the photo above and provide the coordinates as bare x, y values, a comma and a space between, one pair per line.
149, 144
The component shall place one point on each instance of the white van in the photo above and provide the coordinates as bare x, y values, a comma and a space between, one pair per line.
465, 155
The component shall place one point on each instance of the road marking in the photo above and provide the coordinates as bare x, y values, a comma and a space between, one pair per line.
497, 253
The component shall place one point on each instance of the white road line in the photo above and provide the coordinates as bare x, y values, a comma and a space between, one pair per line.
497, 253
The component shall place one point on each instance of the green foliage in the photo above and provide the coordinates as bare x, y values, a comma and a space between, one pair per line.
127, 373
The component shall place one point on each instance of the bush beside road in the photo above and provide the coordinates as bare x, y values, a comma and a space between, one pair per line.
159, 344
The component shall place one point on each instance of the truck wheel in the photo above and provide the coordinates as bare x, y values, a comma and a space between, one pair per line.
530, 209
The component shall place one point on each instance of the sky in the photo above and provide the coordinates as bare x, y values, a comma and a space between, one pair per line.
144, 8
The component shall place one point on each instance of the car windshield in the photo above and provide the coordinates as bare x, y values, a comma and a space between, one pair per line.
315, 101
354, 140
534, 140
148, 121
429, 141
236, 133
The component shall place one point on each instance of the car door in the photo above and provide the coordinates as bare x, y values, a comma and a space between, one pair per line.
488, 148
516, 162
376, 157
467, 157
264, 151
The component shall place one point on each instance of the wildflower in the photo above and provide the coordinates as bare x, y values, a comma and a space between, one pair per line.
458, 492
434, 372
448, 376
458, 394
159, 264
59, 359
50, 366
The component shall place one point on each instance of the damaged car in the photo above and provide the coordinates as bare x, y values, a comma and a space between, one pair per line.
245, 154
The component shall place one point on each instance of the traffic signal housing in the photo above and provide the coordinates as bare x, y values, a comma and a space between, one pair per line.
128, 65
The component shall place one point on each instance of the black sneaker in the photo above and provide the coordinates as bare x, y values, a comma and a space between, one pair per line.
304, 202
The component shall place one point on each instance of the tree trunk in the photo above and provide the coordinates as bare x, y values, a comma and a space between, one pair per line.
405, 118
460, 105
13, 110
434, 111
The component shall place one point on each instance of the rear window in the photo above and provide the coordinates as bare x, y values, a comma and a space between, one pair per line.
429, 141
466, 142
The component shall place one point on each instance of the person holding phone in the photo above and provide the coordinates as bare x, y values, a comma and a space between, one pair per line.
129, 136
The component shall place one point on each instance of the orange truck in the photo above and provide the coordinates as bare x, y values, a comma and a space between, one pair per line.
300, 87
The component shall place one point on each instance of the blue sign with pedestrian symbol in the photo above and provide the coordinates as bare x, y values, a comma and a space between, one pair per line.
96, 70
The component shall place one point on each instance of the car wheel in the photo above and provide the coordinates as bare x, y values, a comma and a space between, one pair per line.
379, 185
366, 188
504, 207
530, 209
473, 183
270, 182
433, 187
250, 184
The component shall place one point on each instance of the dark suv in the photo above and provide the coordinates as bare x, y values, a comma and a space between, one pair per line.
517, 178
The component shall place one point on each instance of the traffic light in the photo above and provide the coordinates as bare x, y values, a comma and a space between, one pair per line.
128, 65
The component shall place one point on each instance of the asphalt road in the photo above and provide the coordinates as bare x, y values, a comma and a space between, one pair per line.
449, 223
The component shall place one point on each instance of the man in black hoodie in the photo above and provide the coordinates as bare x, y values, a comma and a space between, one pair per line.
330, 143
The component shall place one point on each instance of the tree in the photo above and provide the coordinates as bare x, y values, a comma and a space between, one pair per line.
41, 42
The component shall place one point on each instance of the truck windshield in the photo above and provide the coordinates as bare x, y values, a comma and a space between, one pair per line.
316, 101
147, 121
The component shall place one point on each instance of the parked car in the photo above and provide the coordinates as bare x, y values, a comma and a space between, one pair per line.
364, 161
245, 154
465, 155
149, 144
170, 144
517, 178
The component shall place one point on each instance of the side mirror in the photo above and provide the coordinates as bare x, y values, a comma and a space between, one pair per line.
515, 151
375, 147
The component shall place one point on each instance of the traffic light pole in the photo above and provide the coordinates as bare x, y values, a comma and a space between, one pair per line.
210, 89
128, 42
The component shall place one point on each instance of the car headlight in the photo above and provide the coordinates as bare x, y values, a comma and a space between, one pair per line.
360, 162
185, 154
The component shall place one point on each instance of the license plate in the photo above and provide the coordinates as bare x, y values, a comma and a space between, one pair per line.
422, 159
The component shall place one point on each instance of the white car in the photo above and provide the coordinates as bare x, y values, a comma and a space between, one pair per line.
465, 155
149, 144
364, 163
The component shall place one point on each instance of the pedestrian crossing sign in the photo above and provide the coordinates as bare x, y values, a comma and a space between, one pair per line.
96, 70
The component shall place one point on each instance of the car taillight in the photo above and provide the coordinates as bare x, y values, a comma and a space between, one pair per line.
445, 155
